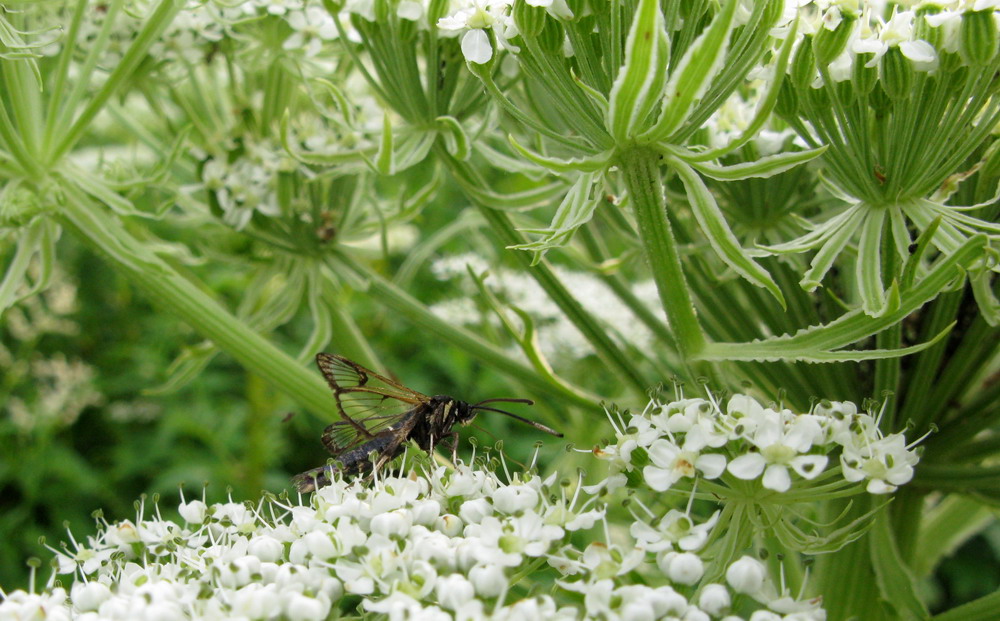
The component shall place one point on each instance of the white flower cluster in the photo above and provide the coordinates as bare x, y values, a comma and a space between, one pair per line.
452, 544
558, 337
872, 34
472, 18
693, 438
247, 184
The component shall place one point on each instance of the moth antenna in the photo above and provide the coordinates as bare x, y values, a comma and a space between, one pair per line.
525, 401
538, 426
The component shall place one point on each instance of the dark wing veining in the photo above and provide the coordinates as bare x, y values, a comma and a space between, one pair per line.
368, 402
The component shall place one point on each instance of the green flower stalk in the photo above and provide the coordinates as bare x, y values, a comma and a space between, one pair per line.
629, 119
908, 108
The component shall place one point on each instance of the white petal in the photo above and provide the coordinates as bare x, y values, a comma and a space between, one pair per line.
476, 47
659, 479
663, 453
809, 466
878, 486
776, 477
711, 465
747, 466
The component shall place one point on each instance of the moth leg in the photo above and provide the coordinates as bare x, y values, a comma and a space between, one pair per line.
452, 444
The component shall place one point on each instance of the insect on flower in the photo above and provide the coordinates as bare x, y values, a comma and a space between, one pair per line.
379, 415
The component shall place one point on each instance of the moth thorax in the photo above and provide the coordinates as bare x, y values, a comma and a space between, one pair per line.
452, 410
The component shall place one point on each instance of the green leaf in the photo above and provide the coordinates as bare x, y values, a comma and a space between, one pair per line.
455, 138
575, 210
320, 317
716, 229
33, 240
762, 168
815, 344
94, 186
895, 581
986, 608
639, 83
593, 163
693, 74
945, 527
187, 366
869, 264
982, 289
833, 247
766, 105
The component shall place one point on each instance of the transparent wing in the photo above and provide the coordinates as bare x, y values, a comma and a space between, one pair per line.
368, 402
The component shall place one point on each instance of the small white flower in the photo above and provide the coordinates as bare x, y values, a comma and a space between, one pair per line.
474, 20
489, 580
781, 439
393, 524
714, 599
454, 591
266, 548
886, 463
88, 596
671, 462
304, 608
193, 512
746, 575
681, 567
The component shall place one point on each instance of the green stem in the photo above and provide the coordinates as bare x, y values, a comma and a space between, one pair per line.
388, 294
641, 172
170, 291
595, 334
846, 577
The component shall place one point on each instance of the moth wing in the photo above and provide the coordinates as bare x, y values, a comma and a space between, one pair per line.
368, 402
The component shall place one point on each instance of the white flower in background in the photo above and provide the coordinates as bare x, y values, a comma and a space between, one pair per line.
474, 19
313, 26
558, 338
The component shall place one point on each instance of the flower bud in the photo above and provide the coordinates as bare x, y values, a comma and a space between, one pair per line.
803, 65
265, 548
683, 567
978, 37
714, 599
473, 511
863, 77
530, 20
450, 525
489, 580
746, 575
454, 591
829, 44
304, 608
88, 596
393, 524
897, 75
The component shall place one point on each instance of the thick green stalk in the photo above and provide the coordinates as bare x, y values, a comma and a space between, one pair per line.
641, 172
170, 291
411, 309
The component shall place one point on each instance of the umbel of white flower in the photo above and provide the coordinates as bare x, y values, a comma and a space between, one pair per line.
696, 438
437, 543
